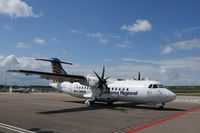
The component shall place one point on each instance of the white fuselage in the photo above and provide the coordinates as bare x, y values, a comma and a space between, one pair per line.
139, 92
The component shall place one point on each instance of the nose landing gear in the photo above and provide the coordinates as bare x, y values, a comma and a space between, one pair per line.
161, 106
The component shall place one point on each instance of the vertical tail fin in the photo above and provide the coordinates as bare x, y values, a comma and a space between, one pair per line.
56, 66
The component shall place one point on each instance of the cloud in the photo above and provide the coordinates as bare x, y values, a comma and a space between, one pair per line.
22, 45
181, 45
102, 38
7, 61
27, 63
107, 60
124, 44
138, 26
180, 33
181, 71
55, 40
5, 26
40, 41
16, 9
167, 50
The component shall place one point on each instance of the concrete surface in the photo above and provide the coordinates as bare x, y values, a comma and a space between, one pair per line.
60, 113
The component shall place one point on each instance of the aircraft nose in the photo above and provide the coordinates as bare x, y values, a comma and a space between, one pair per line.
171, 96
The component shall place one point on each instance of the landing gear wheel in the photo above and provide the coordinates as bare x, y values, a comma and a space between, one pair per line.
161, 108
90, 103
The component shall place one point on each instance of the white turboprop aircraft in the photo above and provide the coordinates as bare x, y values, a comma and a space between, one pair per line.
104, 89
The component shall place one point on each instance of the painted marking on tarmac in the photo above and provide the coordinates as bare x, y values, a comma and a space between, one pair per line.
163, 120
188, 100
15, 129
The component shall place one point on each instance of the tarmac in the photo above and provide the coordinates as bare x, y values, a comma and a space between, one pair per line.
61, 113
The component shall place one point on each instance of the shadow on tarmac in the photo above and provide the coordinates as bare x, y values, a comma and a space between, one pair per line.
98, 106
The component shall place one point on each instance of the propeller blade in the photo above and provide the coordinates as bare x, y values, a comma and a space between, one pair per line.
107, 78
102, 76
97, 75
138, 75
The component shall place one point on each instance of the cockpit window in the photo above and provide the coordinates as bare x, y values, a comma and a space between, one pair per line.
155, 86
160, 86
150, 86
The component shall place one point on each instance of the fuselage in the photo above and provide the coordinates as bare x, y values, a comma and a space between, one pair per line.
140, 92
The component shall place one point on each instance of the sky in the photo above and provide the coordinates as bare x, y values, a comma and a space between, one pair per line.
159, 38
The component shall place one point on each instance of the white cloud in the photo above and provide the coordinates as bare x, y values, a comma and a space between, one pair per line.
16, 8
182, 71
22, 45
27, 63
167, 50
55, 40
138, 26
124, 44
102, 38
40, 41
180, 33
8, 61
181, 45
5, 26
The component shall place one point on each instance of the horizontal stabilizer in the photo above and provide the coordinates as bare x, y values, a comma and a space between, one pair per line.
55, 60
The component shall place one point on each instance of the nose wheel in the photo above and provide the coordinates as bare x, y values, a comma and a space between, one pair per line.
161, 107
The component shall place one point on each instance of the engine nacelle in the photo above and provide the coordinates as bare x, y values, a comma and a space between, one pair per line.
106, 97
92, 81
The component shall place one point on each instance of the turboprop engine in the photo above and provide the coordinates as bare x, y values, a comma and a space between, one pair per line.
92, 81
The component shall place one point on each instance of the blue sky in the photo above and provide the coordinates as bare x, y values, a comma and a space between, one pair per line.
139, 34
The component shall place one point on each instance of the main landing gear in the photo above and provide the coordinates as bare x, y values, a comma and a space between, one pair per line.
90, 103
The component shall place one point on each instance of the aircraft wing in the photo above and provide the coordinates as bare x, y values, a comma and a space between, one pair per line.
53, 76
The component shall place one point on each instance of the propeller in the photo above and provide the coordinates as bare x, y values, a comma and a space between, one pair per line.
139, 77
102, 83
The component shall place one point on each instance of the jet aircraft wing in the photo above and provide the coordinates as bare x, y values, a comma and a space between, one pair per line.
53, 76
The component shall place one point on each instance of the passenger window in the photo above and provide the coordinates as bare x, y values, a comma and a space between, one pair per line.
119, 89
115, 88
150, 86
123, 89
155, 86
127, 89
